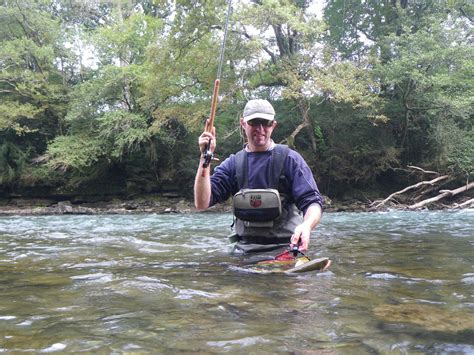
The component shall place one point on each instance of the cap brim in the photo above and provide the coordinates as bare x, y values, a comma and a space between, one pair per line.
264, 116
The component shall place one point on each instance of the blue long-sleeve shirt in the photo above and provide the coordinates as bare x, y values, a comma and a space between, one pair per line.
299, 185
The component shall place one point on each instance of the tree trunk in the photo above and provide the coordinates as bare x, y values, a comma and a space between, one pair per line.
304, 109
124, 62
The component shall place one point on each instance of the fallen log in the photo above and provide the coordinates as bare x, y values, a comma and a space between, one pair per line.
467, 203
443, 194
431, 190
421, 183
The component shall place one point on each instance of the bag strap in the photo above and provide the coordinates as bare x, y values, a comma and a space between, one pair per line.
241, 167
279, 154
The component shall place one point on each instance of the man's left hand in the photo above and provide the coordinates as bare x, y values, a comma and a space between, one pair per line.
300, 237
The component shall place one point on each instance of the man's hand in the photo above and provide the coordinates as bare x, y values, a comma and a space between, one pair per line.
300, 237
209, 134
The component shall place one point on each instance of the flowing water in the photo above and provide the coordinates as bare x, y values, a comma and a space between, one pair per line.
401, 282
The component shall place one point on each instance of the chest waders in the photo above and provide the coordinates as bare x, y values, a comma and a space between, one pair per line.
264, 218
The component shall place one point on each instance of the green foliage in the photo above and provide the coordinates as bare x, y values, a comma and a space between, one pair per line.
373, 86
14, 115
12, 161
181, 71
456, 148
32, 91
356, 150
354, 84
429, 79
104, 112
461, 156
123, 132
318, 134
358, 29
126, 40
100, 94
76, 153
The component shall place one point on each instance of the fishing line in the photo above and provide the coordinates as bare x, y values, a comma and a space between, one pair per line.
208, 154
226, 26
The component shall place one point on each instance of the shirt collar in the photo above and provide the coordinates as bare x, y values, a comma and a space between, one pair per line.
270, 147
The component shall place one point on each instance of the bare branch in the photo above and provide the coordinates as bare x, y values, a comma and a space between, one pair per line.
290, 139
421, 183
423, 170
443, 194
467, 203
229, 134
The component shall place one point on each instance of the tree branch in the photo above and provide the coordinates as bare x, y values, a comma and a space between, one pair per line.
291, 138
265, 48
443, 194
422, 170
421, 183
469, 203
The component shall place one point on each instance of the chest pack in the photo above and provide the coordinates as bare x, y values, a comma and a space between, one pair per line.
259, 207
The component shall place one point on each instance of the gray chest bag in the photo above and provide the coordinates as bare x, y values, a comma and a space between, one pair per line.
258, 208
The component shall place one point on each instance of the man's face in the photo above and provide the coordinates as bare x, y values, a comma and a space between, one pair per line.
258, 132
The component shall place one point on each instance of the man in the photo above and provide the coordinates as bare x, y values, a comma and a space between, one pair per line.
250, 176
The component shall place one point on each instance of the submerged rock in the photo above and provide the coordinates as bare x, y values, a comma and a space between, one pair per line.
429, 317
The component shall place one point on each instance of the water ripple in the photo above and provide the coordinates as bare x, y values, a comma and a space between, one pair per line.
400, 281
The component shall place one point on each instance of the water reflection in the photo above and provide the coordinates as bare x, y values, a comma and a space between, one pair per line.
400, 282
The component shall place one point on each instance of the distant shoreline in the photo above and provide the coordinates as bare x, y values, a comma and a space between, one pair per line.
40, 206
153, 204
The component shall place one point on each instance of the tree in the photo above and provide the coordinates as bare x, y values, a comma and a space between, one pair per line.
430, 87
367, 89
421, 58
33, 96
106, 123
279, 38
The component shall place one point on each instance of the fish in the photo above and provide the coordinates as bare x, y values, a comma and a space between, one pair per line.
295, 265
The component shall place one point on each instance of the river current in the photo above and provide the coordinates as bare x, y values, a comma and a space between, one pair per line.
401, 282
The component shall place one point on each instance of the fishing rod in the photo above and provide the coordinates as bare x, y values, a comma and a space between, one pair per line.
208, 154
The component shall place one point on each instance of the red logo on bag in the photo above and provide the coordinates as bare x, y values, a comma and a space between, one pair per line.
255, 201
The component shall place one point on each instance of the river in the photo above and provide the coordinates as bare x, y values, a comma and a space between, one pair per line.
401, 282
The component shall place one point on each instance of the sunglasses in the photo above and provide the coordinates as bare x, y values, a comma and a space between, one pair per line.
258, 121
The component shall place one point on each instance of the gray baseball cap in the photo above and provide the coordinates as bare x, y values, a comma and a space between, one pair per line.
258, 109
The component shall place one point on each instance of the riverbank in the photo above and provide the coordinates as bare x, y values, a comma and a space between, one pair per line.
158, 204
154, 204
144, 204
